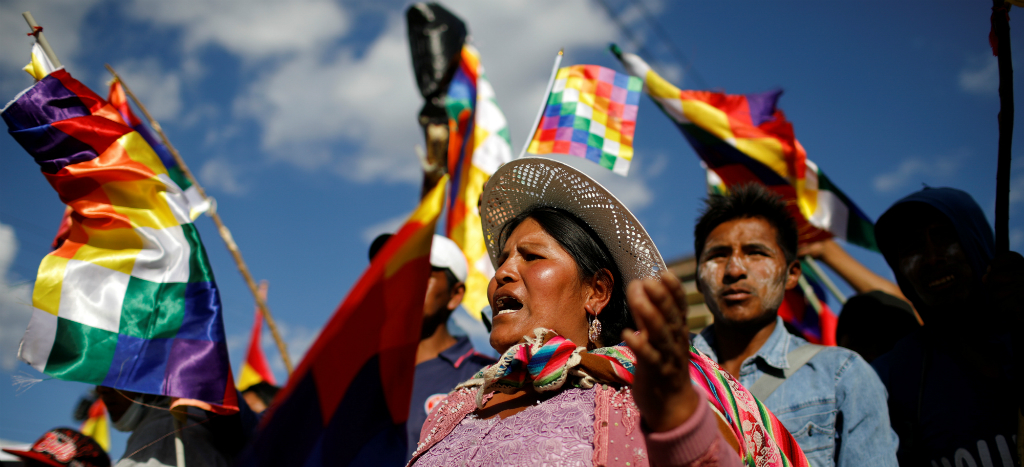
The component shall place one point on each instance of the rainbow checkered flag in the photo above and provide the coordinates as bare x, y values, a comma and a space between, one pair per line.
590, 113
119, 100
129, 300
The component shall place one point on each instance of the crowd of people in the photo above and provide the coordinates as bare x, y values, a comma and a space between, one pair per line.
598, 367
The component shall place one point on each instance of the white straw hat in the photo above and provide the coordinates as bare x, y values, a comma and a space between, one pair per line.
535, 181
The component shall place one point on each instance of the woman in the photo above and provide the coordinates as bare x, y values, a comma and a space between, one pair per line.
563, 392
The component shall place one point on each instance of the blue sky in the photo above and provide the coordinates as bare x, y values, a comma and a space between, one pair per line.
300, 120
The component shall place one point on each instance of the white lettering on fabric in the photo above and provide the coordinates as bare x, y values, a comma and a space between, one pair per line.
1004, 450
965, 458
983, 454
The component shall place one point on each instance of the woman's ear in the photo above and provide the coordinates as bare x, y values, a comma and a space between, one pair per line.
601, 287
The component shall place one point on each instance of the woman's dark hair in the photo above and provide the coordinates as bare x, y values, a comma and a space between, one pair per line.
591, 256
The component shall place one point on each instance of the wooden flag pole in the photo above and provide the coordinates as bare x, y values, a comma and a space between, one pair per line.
38, 32
1000, 41
221, 228
831, 286
1001, 30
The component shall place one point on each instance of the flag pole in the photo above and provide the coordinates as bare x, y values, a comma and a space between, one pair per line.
544, 104
40, 38
1001, 48
999, 38
221, 228
179, 417
824, 278
809, 294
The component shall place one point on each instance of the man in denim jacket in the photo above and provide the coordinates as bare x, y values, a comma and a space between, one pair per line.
834, 404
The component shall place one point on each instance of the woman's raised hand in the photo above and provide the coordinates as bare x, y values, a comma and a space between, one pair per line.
661, 384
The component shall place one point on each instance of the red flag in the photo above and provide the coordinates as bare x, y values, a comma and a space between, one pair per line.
96, 425
255, 368
348, 401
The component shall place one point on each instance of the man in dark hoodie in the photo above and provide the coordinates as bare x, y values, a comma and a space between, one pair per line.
952, 398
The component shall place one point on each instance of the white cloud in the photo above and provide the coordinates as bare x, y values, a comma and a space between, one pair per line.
313, 100
918, 169
206, 113
15, 301
672, 73
222, 175
158, 89
518, 41
642, 39
1016, 190
297, 338
983, 79
386, 226
311, 96
250, 29
61, 21
308, 103
1016, 239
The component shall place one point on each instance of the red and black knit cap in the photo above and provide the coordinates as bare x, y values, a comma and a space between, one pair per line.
64, 447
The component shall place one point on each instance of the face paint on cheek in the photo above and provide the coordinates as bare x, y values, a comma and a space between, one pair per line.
709, 277
775, 291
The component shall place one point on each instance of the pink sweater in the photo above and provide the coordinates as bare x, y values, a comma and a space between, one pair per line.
617, 435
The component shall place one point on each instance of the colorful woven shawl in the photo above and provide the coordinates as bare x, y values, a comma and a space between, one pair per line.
751, 422
547, 361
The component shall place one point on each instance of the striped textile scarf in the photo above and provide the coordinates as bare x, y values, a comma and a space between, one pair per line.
547, 360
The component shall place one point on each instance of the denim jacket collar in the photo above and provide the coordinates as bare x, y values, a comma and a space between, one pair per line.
812, 400
773, 352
